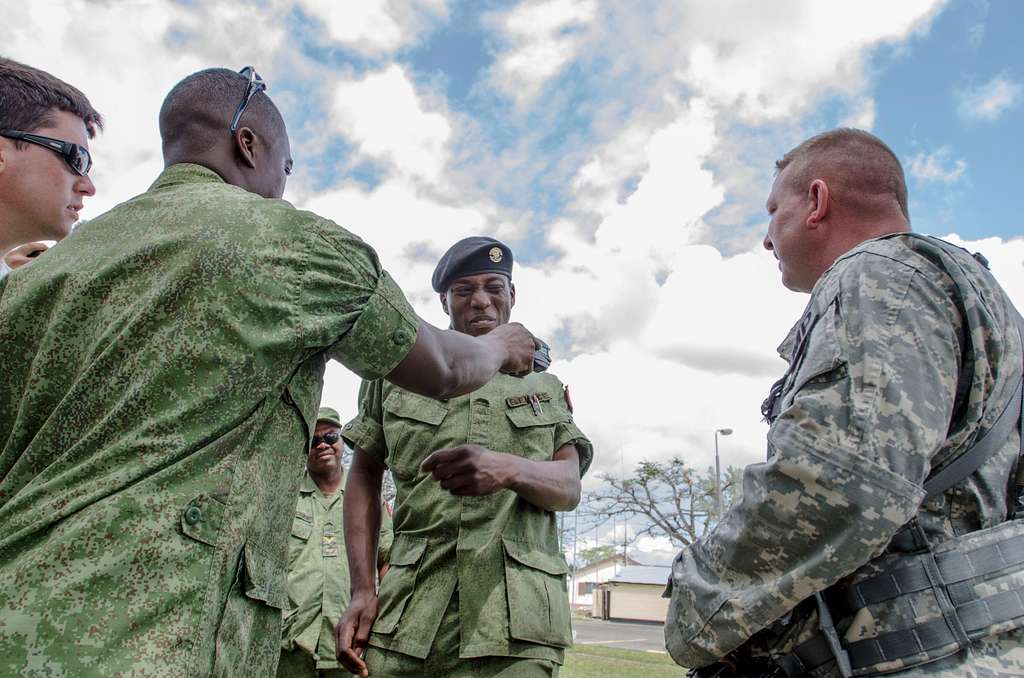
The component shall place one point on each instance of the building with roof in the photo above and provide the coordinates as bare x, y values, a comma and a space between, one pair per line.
634, 594
586, 579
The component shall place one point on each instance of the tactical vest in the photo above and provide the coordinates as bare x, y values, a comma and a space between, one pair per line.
954, 572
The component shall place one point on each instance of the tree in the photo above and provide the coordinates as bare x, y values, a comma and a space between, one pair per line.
672, 499
596, 553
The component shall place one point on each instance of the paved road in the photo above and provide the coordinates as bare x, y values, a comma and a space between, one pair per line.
627, 635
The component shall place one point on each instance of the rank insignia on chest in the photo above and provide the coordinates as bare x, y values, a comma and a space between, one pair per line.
534, 400
329, 543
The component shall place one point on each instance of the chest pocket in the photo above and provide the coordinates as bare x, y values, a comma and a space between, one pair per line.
302, 529
411, 423
533, 434
818, 361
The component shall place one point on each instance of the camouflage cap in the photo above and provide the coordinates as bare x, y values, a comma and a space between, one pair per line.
328, 414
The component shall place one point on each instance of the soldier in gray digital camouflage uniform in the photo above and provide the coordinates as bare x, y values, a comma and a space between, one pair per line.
846, 556
161, 378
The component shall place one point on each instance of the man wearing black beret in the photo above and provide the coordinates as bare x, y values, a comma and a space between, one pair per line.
477, 581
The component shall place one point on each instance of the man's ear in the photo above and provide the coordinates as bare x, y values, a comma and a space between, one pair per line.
512, 293
819, 202
444, 303
3, 155
245, 144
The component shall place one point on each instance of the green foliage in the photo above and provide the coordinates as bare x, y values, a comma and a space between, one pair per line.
669, 498
596, 553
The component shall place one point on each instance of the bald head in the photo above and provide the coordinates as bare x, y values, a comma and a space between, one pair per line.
862, 172
194, 127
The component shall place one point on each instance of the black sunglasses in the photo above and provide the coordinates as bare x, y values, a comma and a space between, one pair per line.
254, 85
329, 438
75, 155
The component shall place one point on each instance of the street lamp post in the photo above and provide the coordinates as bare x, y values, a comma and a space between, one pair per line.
718, 473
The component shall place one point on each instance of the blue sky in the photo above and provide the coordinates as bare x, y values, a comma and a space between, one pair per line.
624, 151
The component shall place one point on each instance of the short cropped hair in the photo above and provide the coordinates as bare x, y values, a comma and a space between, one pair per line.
29, 97
197, 111
853, 160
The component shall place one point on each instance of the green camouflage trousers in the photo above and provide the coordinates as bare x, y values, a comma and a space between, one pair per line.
443, 658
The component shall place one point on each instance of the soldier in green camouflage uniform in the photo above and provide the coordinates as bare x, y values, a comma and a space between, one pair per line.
318, 581
476, 585
906, 355
162, 372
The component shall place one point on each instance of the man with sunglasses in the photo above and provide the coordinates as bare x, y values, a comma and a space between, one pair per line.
45, 127
162, 375
318, 580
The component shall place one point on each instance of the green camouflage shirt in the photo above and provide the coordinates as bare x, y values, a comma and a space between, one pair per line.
162, 373
914, 353
318, 578
500, 551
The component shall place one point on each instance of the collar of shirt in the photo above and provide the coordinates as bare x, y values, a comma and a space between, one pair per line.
185, 173
309, 486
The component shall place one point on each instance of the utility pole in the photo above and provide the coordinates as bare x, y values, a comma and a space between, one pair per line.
718, 473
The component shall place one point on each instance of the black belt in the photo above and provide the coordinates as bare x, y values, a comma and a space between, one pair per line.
959, 569
975, 616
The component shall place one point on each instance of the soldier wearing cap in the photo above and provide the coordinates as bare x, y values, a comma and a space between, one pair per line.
477, 581
318, 581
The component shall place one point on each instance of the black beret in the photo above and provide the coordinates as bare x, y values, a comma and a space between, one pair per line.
472, 256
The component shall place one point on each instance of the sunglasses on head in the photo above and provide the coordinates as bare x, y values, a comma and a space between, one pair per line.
75, 155
329, 438
254, 85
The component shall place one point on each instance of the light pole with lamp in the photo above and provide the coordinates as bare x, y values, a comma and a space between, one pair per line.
718, 473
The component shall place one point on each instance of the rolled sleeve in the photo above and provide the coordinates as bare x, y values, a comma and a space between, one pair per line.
382, 335
365, 431
366, 434
568, 432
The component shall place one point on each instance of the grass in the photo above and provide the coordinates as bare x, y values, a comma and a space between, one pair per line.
594, 661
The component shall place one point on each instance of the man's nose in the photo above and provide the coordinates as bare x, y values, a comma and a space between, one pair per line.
767, 242
481, 299
85, 185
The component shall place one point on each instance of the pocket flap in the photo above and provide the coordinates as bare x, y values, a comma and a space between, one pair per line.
265, 579
406, 550
302, 527
523, 417
202, 519
412, 406
531, 556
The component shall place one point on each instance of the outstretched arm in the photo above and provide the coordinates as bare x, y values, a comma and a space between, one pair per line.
446, 363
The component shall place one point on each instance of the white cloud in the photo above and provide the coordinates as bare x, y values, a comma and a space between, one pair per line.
990, 100
937, 166
779, 59
375, 27
384, 117
861, 116
542, 37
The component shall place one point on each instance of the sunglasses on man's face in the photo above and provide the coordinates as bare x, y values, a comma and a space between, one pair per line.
329, 438
254, 85
75, 155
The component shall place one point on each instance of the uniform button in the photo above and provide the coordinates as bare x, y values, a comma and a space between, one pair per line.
193, 515
400, 336
348, 426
